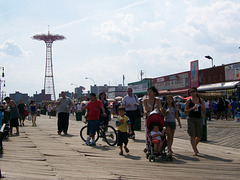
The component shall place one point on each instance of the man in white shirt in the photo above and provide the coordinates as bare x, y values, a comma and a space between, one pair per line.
131, 103
79, 107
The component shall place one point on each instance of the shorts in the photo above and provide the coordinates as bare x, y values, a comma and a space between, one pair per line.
92, 127
195, 126
21, 116
156, 141
33, 113
14, 122
122, 137
172, 125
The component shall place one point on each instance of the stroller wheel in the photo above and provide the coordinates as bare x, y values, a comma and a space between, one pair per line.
150, 158
170, 157
164, 156
154, 158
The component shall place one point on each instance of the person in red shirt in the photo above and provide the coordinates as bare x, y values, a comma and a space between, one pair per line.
92, 116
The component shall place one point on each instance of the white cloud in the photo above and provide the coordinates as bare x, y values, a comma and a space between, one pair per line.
211, 23
111, 32
11, 48
121, 30
157, 25
162, 60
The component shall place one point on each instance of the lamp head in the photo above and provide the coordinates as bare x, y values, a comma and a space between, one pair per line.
208, 57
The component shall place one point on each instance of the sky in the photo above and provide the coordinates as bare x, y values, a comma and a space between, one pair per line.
106, 39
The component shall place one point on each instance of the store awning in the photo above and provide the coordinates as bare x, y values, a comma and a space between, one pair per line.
219, 86
173, 92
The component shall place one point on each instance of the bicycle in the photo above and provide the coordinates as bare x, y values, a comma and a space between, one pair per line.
108, 133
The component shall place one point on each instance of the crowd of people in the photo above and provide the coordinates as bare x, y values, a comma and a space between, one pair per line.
15, 114
220, 108
127, 111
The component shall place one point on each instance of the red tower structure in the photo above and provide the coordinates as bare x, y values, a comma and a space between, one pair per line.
49, 87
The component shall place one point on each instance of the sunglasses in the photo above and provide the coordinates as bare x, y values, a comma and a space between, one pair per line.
193, 91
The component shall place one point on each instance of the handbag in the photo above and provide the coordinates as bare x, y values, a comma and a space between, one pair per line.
29, 117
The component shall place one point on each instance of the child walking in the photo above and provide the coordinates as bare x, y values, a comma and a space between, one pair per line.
123, 123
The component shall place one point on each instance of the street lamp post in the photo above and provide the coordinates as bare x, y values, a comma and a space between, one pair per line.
209, 57
1, 92
75, 92
94, 84
91, 79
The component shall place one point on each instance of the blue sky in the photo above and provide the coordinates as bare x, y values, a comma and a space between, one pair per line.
108, 38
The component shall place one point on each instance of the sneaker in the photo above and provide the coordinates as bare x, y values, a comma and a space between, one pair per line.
133, 136
17, 134
126, 149
93, 143
88, 143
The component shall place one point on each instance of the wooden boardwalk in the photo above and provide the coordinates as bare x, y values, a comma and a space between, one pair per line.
39, 153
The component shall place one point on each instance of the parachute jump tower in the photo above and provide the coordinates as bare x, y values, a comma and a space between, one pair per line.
49, 87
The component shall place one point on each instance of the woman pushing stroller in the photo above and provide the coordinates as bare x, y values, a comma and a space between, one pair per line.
149, 104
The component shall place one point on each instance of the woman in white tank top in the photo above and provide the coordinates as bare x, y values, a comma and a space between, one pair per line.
149, 104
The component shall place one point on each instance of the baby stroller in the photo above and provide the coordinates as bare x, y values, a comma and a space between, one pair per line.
155, 118
5, 125
5, 130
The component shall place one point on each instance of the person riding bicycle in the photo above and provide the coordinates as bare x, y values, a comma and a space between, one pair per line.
92, 116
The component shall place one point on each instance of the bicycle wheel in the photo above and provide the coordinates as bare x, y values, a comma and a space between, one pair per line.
110, 135
83, 134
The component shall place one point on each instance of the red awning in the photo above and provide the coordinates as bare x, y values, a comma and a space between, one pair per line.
175, 92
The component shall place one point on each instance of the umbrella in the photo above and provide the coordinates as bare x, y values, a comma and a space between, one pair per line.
186, 98
84, 102
178, 98
111, 100
118, 98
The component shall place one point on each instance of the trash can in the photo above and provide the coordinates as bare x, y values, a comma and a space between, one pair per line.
43, 111
204, 130
79, 116
237, 116
137, 125
183, 115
